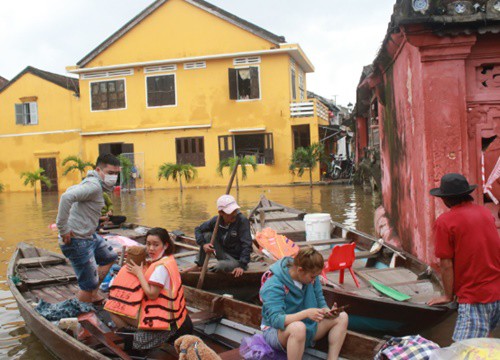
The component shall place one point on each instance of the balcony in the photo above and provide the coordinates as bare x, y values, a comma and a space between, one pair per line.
309, 108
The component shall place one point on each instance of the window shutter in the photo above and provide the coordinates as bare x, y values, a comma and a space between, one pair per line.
104, 149
233, 87
33, 113
254, 83
127, 148
268, 149
19, 114
226, 149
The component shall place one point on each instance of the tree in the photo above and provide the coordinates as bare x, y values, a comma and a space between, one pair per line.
177, 171
231, 162
32, 178
76, 163
125, 170
306, 158
1, 187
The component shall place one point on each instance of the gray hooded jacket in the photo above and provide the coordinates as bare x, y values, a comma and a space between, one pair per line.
80, 207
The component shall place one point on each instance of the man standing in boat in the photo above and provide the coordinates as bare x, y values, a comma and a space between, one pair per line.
233, 243
468, 246
77, 220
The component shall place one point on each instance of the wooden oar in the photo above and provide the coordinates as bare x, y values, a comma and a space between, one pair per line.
214, 234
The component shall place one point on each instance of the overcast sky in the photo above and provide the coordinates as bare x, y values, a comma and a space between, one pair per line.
338, 36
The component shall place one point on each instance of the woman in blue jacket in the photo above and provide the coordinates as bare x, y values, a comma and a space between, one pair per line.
294, 311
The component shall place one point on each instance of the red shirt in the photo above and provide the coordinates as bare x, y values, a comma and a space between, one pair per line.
468, 235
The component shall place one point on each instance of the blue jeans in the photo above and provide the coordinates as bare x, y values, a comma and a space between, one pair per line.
85, 255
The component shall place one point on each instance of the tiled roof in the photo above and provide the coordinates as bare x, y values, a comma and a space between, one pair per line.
69, 83
3, 82
275, 39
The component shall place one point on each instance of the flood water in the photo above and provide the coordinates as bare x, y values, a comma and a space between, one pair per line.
22, 218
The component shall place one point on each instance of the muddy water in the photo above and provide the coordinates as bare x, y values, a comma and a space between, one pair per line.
22, 218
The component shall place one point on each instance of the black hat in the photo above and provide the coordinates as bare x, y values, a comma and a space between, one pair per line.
453, 185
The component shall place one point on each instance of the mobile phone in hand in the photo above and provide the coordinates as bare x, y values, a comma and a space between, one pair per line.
338, 310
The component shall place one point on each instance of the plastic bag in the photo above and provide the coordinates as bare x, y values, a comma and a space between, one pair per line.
471, 349
256, 348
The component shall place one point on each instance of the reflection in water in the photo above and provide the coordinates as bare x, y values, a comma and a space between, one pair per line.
25, 219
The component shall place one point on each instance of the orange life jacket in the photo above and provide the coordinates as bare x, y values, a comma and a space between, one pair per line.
277, 245
126, 299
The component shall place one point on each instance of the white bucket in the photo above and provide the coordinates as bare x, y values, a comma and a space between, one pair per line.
318, 228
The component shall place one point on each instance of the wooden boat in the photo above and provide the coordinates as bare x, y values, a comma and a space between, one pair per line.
244, 287
221, 321
370, 310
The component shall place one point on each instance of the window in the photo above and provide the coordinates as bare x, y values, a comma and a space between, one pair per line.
294, 90
190, 150
26, 113
244, 83
301, 86
301, 136
161, 90
107, 95
258, 145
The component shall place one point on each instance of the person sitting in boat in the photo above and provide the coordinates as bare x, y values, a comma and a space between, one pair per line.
150, 296
233, 243
468, 246
294, 310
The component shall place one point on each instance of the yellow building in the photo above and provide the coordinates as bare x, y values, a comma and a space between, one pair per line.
39, 126
185, 81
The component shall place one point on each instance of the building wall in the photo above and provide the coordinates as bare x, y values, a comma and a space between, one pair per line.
56, 135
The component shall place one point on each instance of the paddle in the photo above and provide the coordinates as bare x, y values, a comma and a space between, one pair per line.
388, 291
216, 229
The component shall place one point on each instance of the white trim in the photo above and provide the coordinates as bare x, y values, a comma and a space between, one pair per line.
108, 74
146, 89
41, 133
246, 60
160, 68
108, 80
112, 132
294, 52
195, 65
247, 130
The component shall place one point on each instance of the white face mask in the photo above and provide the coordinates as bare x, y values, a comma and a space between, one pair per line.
110, 180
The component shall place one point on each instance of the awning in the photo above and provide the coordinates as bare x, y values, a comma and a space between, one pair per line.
334, 132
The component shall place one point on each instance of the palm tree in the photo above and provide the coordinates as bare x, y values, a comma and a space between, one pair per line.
32, 178
126, 170
76, 164
306, 158
177, 171
2, 187
231, 162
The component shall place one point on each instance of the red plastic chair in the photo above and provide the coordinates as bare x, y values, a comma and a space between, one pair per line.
342, 257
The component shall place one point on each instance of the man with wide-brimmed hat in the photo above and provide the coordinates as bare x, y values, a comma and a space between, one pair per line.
468, 246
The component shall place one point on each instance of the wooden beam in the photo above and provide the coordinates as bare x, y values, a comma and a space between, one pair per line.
185, 254
40, 261
336, 241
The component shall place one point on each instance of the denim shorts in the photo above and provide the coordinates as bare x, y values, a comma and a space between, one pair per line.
85, 255
476, 320
271, 336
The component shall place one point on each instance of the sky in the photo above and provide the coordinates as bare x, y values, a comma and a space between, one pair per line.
338, 36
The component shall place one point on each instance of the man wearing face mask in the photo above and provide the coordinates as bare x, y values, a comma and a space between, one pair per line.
77, 219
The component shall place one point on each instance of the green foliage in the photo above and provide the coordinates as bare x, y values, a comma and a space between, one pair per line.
230, 163
306, 158
31, 178
125, 169
76, 163
177, 172
2, 187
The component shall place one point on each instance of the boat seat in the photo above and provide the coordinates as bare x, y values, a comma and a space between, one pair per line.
40, 261
107, 339
203, 317
366, 254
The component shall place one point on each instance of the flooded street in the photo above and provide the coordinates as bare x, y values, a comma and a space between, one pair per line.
24, 219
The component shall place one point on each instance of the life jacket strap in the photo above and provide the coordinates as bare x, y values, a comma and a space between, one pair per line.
149, 319
124, 301
118, 287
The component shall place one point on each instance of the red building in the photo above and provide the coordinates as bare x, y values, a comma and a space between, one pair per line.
430, 103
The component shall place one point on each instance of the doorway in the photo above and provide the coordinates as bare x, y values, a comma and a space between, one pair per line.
49, 165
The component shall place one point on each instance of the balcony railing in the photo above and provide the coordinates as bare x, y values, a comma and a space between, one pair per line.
309, 108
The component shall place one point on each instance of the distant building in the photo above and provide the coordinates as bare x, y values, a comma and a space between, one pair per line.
430, 104
162, 90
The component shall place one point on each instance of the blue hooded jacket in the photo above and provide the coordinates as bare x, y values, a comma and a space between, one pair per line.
280, 297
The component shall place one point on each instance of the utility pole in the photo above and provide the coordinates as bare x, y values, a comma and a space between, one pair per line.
334, 99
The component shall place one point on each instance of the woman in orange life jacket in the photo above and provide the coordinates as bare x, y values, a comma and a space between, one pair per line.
150, 296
